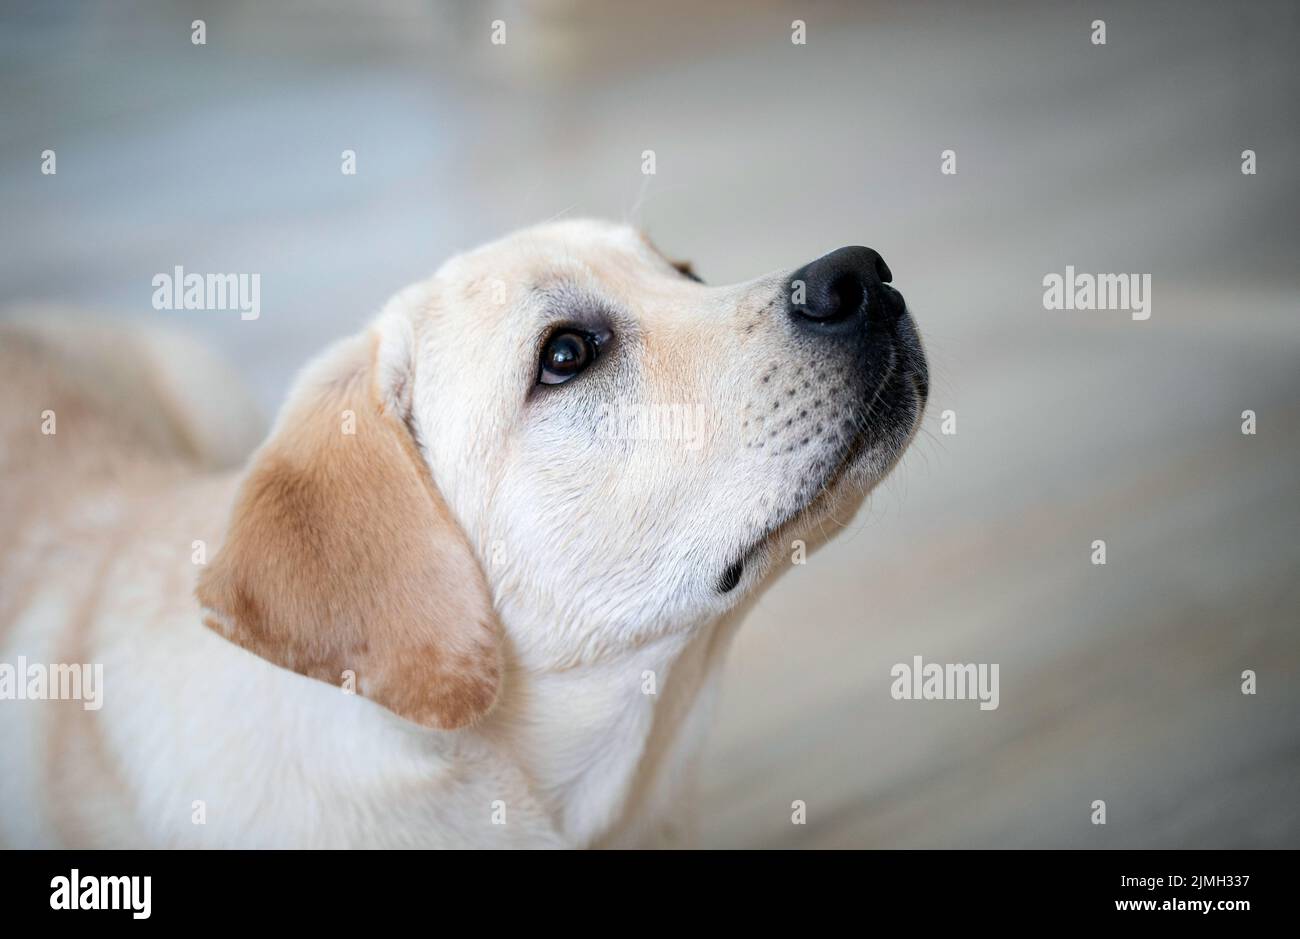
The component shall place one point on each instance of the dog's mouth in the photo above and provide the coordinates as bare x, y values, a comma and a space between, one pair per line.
731, 576
883, 431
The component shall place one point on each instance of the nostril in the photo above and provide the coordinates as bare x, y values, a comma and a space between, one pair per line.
834, 301
846, 296
843, 289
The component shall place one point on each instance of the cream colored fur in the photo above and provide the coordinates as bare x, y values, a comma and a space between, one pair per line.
499, 575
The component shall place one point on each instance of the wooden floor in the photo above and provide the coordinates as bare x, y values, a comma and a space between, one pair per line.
1120, 682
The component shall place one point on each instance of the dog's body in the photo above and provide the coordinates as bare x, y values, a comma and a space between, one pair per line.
442, 608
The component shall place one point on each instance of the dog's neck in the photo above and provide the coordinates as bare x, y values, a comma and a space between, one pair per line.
609, 745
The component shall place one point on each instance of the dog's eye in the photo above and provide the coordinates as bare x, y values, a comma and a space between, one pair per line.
565, 354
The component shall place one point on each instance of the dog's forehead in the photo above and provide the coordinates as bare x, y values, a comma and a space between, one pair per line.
586, 234
506, 291
576, 248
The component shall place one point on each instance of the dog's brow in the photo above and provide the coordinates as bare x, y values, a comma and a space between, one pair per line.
556, 289
563, 299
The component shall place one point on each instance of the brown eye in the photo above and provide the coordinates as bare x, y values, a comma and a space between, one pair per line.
565, 354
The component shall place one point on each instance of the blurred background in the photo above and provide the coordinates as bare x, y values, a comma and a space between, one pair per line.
1119, 682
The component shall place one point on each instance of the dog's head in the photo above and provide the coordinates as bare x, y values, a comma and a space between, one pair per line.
569, 428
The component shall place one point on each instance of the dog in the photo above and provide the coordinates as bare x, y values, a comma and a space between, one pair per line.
475, 587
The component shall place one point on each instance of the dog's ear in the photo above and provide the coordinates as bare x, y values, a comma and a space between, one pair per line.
342, 555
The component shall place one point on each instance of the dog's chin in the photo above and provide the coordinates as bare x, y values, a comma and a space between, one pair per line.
822, 505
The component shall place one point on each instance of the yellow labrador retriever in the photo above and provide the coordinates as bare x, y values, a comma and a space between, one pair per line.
475, 587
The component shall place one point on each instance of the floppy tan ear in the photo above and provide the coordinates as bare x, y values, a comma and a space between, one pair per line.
341, 554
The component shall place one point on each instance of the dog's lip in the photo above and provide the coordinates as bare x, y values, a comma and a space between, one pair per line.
733, 572
913, 372
731, 576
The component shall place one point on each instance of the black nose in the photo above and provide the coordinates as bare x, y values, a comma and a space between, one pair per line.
843, 290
